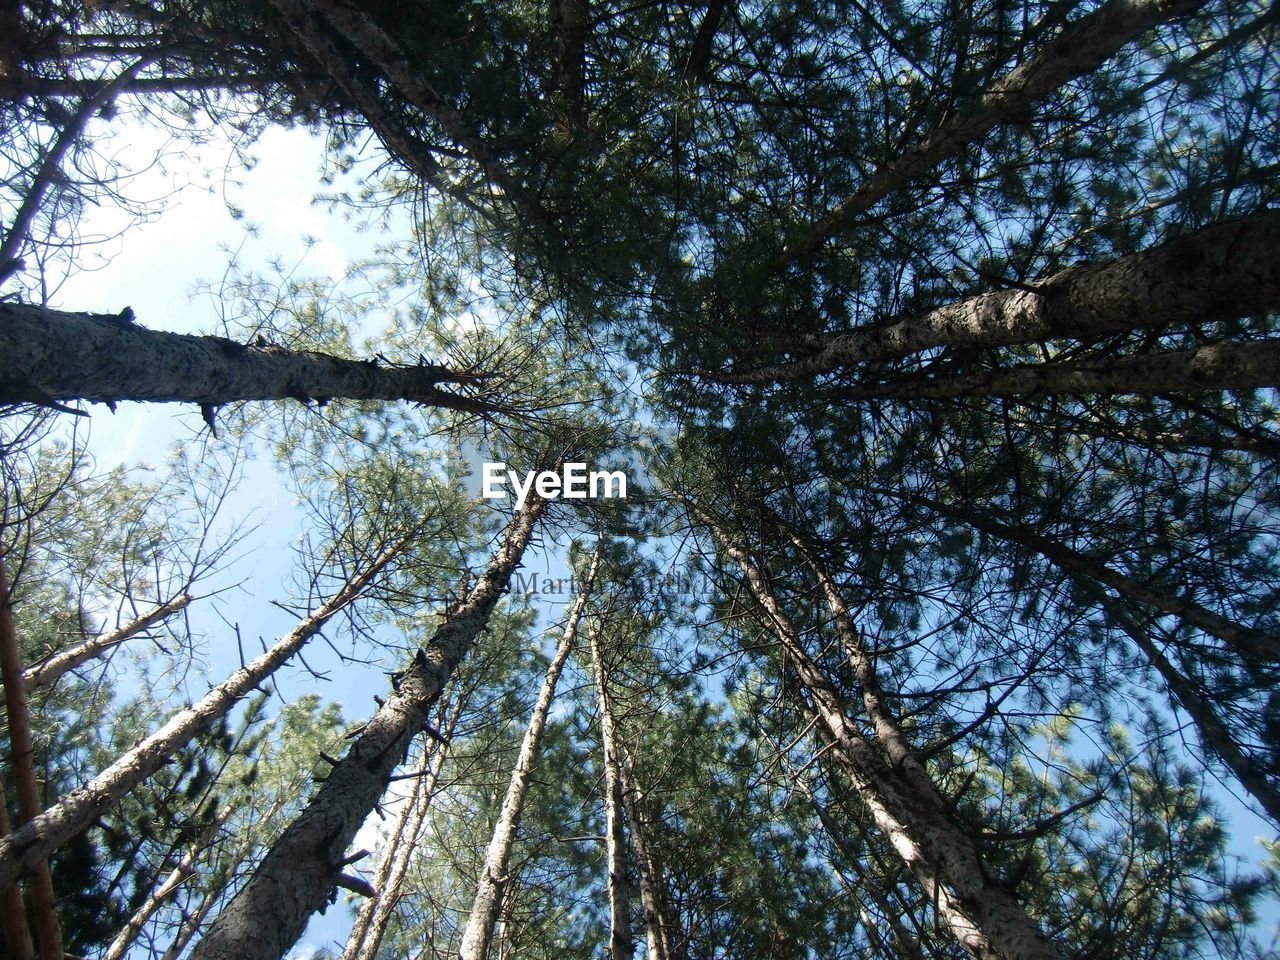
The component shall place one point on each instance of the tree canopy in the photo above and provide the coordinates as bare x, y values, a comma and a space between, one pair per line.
940, 617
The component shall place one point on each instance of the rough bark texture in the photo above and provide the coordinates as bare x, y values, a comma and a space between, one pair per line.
25, 785
1225, 270
156, 898
75, 811
1214, 734
48, 355
1219, 366
366, 935
621, 942
1080, 49
493, 876
60, 663
299, 874
980, 912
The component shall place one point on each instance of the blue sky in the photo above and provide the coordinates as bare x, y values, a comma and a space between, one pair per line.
155, 269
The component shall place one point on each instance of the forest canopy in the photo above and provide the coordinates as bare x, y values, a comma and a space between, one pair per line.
931, 344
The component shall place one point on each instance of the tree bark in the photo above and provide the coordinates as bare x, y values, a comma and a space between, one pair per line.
978, 910
1220, 366
375, 913
1214, 734
156, 898
299, 873
58, 664
372, 41
44, 907
77, 810
13, 911
660, 922
49, 355
1226, 270
621, 943
1247, 641
1079, 49
493, 881
90, 106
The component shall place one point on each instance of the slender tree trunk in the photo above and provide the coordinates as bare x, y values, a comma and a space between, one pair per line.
979, 911
1225, 270
368, 907
1079, 49
89, 107
621, 943
1219, 366
77, 810
44, 906
568, 77
190, 927
50, 355
58, 664
380, 49
659, 918
1214, 734
156, 899
13, 911
381, 907
494, 880
299, 873
1247, 641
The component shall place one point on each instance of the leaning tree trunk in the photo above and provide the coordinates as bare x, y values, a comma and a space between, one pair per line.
183, 870
908, 808
1228, 269
300, 872
1081, 48
621, 943
45, 673
51, 355
375, 913
77, 810
1251, 643
493, 882
22, 756
1214, 733
1218, 366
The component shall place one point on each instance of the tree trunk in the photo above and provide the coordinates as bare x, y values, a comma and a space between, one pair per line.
44, 907
381, 50
58, 664
13, 911
77, 810
979, 911
1214, 734
50, 355
396, 863
190, 927
659, 918
1079, 49
493, 875
1221, 366
155, 900
299, 873
1247, 641
621, 944
1225, 270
